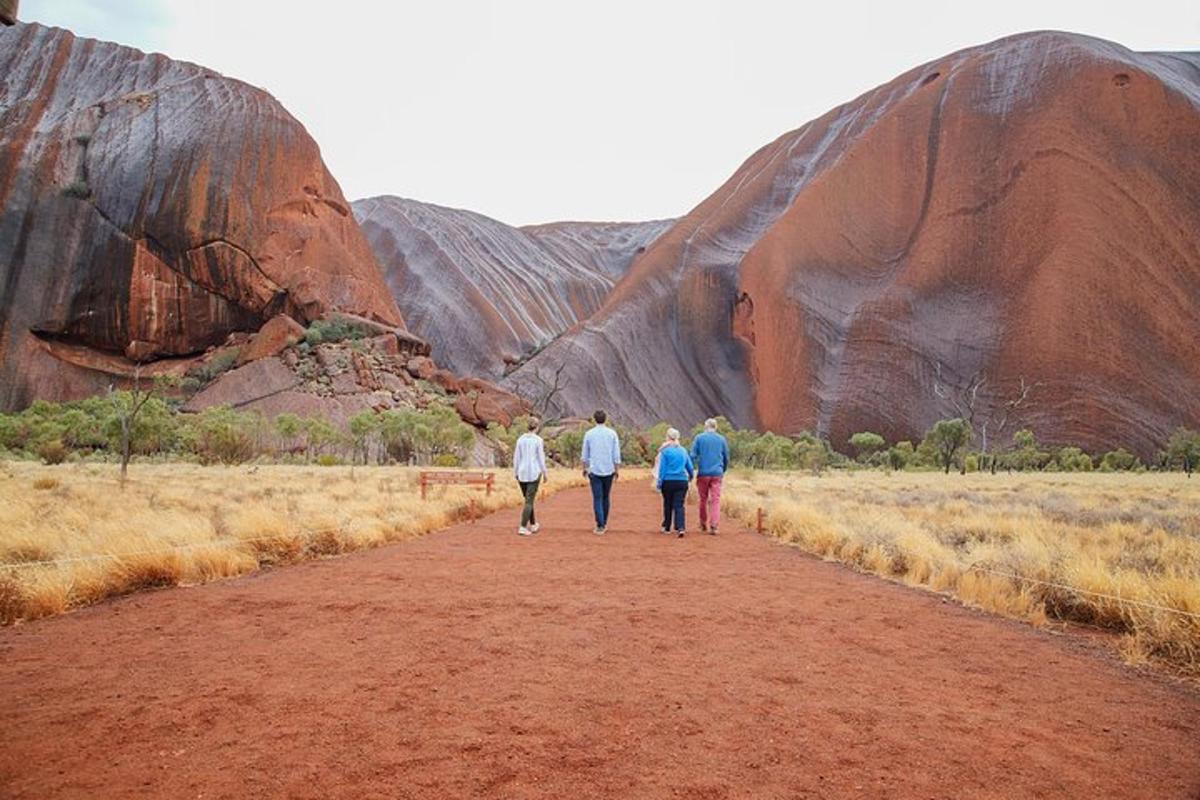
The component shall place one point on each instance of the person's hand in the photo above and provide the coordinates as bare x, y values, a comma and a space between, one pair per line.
616, 474
585, 473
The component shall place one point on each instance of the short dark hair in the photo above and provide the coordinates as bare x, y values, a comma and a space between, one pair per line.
600, 417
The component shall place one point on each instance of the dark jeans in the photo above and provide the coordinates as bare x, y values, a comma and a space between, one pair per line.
601, 490
674, 493
529, 490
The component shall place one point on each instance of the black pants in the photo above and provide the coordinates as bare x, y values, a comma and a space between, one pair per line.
674, 493
529, 491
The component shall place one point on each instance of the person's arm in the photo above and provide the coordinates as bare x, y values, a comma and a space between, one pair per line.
586, 455
616, 445
695, 451
517, 460
541, 455
691, 468
724, 456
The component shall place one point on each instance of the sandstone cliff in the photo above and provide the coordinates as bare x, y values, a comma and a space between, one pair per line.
149, 208
484, 293
1024, 212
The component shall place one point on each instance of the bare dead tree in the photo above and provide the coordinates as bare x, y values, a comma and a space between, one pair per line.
126, 410
970, 399
541, 390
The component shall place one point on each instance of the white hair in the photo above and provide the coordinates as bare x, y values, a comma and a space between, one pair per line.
710, 424
672, 434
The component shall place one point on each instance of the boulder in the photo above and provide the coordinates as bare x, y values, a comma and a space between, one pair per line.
245, 385
480, 407
277, 334
421, 367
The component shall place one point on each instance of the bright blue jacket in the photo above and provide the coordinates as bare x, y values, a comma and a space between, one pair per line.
710, 451
674, 464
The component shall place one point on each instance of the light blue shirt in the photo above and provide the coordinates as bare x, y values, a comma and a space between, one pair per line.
601, 451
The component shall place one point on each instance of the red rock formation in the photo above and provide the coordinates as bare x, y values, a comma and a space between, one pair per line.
1025, 210
149, 207
484, 293
277, 333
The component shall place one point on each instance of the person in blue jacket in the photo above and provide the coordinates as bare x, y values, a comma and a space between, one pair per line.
710, 452
675, 471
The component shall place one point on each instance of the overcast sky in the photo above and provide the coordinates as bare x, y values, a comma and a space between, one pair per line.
536, 110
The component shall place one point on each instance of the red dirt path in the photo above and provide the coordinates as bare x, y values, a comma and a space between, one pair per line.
476, 663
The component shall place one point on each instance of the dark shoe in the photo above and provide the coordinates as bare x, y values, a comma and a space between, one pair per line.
679, 534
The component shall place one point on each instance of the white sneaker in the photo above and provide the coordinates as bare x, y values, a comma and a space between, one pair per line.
535, 527
522, 531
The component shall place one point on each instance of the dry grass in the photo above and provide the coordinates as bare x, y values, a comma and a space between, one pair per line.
182, 523
1133, 537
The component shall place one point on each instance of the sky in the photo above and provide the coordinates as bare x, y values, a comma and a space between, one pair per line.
537, 110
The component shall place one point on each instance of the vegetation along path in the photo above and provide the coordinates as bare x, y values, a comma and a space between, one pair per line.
473, 662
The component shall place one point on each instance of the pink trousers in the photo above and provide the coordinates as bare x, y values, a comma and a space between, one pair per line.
710, 501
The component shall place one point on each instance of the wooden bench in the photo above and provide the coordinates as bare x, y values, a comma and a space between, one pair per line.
484, 479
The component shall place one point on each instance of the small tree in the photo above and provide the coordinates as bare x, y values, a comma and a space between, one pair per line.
362, 425
900, 454
948, 437
1183, 450
1119, 460
126, 408
866, 444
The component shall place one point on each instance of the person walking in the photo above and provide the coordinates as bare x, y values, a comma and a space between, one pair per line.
710, 452
675, 471
601, 464
529, 465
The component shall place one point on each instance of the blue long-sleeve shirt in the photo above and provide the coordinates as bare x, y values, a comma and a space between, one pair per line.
710, 451
601, 451
674, 464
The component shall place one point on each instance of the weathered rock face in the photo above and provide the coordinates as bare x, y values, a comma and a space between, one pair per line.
482, 292
148, 208
1022, 211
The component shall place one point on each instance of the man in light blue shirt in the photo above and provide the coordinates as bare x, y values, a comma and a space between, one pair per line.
601, 462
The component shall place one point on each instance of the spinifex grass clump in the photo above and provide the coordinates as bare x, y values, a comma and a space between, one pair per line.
1126, 546
184, 523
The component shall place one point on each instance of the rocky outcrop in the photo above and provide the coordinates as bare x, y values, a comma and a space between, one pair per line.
149, 208
486, 294
337, 380
1022, 213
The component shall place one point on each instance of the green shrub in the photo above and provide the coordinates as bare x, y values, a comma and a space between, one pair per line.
447, 460
1119, 460
208, 371
328, 460
78, 189
52, 451
335, 330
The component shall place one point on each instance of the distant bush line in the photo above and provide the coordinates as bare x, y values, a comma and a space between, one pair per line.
90, 428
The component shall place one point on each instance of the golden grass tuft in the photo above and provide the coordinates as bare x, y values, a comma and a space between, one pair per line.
1133, 538
184, 523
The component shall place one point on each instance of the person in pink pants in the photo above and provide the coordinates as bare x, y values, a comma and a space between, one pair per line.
710, 454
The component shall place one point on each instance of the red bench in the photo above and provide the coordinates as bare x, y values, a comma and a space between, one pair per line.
484, 479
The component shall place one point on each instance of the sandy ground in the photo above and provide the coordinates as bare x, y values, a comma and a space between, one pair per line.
473, 663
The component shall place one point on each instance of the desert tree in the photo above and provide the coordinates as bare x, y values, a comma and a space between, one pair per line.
989, 413
948, 437
127, 406
541, 389
1183, 448
867, 444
